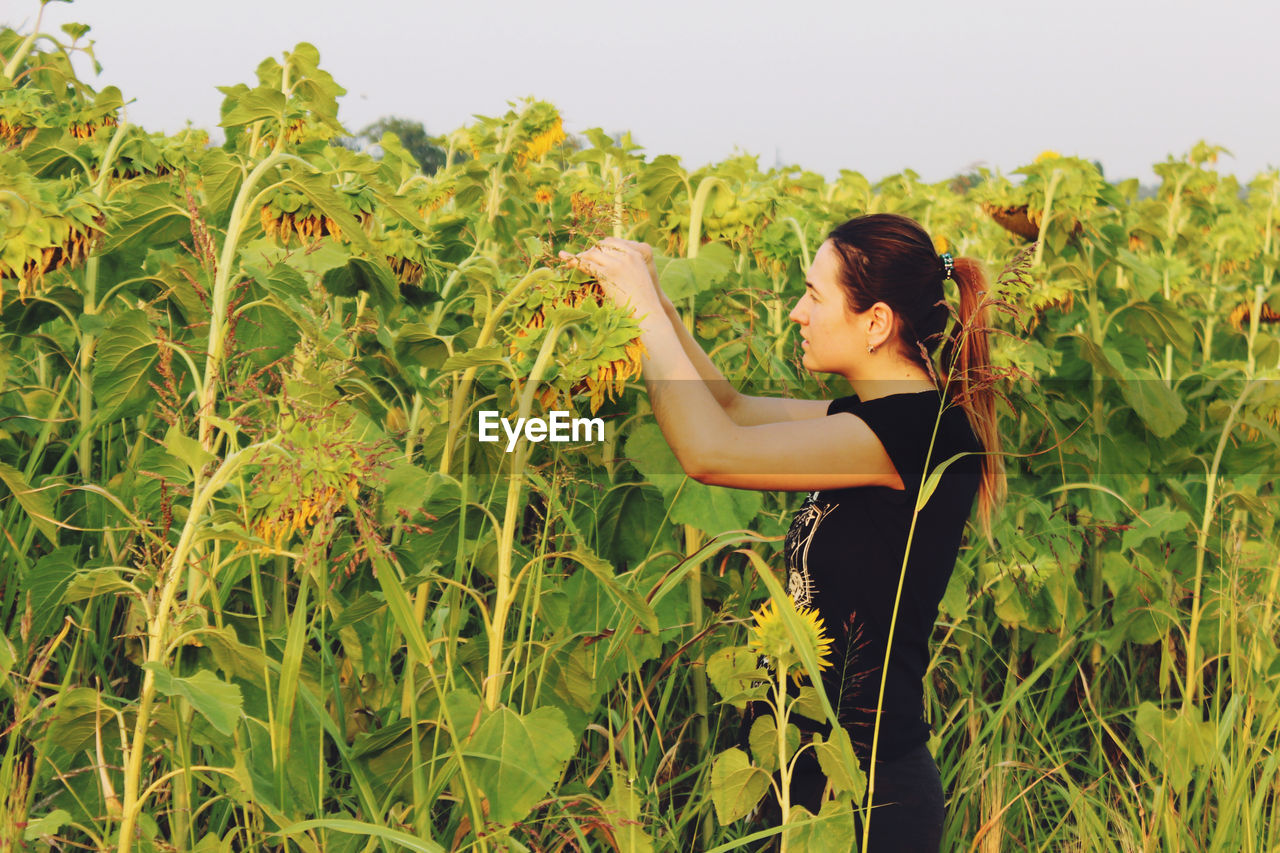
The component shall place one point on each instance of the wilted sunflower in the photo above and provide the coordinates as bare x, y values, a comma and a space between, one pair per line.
308, 229
770, 636
1242, 314
44, 226
89, 129
278, 524
599, 363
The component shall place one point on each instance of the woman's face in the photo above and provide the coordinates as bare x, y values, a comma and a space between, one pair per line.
829, 330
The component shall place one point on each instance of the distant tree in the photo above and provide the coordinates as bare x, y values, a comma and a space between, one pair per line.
413, 136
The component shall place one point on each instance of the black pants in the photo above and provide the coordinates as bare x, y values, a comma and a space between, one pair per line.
908, 810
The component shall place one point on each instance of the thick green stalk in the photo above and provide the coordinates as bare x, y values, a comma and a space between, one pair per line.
505, 592
803, 240
1044, 217
696, 210
784, 768
463, 390
24, 49
157, 640
222, 294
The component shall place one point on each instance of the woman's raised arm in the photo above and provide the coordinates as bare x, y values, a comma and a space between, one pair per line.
798, 455
742, 409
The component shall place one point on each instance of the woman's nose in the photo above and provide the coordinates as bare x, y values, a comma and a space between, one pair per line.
796, 315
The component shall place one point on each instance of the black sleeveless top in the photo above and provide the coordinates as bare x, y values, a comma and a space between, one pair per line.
844, 554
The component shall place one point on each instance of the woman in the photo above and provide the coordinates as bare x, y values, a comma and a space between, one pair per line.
873, 311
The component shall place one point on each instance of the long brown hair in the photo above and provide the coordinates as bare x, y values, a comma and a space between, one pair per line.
889, 258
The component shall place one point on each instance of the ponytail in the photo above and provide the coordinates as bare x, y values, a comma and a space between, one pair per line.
885, 257
968, 379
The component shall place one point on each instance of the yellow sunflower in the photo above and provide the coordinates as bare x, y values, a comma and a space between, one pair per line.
541, 143
770, 636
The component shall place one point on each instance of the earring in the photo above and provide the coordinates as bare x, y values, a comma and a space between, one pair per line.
870, 349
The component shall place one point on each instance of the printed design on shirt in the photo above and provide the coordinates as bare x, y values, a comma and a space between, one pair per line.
804, 526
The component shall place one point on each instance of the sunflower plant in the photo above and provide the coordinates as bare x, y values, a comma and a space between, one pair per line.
598, 350
44, 225
769, 672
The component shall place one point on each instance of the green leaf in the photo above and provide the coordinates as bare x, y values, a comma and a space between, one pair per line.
1175, 743
406, 490
627, 597
1159, 322
763, 740
623, 811
831, 829
1159, 406
714, 509
1096, 356
371, 830
807, 704
43, 588
184, 447
250, 105
37, 504
736, 786
577, 681
734, 673
234, 657
47, 825
711, 509
515, 760
218, 702
361, 275
92, 583
684, 277
153, 215
1158, 522
626, 521
478, 357
840, 764
417, 344
122, 368
286, 283
935, 477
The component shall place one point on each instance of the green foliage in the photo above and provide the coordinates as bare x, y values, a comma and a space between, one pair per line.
261, 587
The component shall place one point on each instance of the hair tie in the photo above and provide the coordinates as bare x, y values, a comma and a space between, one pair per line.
948, 265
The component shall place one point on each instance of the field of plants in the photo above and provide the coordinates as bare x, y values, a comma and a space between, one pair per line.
262, 588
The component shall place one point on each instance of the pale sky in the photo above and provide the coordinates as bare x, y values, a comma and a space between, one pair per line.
876, 87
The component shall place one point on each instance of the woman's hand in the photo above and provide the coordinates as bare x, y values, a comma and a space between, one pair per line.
625, 270
646, 252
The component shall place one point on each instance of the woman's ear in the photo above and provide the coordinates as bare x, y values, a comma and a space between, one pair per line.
880, 325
